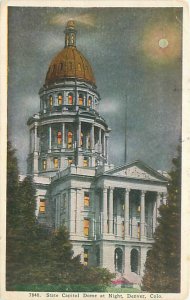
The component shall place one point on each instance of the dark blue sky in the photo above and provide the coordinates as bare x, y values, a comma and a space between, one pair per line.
125, 49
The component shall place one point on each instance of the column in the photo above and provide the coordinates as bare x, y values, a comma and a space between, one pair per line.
111, 211
79, 135
92, 137
100, 140
50, 137
158, 203
142, 205
30, 141
106, 147
104, 199
154, 215
35, 138
63, 135
72, 211
126, 213
104, 144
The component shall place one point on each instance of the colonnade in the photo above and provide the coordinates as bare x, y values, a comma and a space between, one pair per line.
107, 212
102, 138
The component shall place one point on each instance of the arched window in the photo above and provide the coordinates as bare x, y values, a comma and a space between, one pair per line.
59, 137
70, 161
50, 101
56, 163
70, 99
89, 101
81, 100
69, 140
134, 260
118, 258
60, 99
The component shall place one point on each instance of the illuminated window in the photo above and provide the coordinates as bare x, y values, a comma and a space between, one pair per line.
138, 230
44, 164
70, 140
79, 67
85, 257
70, 99
60, 99
89, 101
85, 162
51, 101
56, 163
81, 139
138, 208
86, 199
59, 137
80, 99
70, 161
86, 227
42, 208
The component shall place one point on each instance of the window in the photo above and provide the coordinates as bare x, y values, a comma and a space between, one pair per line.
138, 208
70, 99
70, 161
70, 140
81, 99
123, 229
42, 208
44, 164
51, 101
86, 199
89, 101
88, 141
86, 227
81, 139
56, 163
85, 257
79, 67
59, 137
85, 162
61, 67
60, 99
138, 230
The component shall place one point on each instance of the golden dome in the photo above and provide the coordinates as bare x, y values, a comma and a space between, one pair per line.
70, 63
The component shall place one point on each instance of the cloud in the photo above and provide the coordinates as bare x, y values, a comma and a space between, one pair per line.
85, 19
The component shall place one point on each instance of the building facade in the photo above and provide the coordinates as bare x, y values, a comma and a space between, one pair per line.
110, 212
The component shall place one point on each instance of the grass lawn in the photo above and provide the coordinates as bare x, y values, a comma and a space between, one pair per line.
73, 288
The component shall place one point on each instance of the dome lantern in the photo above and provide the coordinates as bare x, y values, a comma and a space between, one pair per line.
70, 34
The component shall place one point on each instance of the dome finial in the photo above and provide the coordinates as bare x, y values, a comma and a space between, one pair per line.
70, 34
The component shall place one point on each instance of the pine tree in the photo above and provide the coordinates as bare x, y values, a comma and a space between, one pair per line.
162, 268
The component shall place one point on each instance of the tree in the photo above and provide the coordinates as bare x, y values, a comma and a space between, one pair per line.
36, 254
162, 268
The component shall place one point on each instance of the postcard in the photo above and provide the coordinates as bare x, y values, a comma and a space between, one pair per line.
95, 138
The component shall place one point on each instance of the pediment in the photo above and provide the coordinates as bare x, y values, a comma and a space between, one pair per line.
137, 170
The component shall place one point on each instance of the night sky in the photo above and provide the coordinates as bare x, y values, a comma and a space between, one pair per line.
135, 54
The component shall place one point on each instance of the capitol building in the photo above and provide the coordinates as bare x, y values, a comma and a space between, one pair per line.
110, 211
